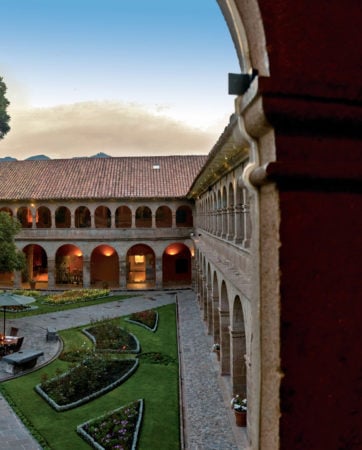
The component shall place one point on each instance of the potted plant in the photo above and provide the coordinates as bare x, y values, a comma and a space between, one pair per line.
216, 349
240, 407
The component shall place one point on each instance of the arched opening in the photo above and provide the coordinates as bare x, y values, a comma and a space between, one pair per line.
62, 217
143, 217
176, 265
140, 267
24, 216
123, 217
36, 267
163, 217
82, 217
102, 217
184, 216
69, 265
238, 350
43, 217
224, 331
104, 267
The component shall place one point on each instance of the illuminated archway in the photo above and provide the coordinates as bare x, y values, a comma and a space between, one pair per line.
176, 265
104, 267
140, 267
36, 265
69, 265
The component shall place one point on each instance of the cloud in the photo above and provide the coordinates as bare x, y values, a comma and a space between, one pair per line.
87, 128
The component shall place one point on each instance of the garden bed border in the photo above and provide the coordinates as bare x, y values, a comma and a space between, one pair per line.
107, 350
90, 397
95, 444
154, 329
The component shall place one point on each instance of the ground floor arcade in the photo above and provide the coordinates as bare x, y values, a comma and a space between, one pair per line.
137, 266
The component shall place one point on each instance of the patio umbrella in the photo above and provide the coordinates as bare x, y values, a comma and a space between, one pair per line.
9, 299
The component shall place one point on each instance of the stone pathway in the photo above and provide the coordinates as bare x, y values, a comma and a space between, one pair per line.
207, 423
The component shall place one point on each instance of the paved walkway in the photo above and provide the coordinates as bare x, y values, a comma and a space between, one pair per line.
208, 424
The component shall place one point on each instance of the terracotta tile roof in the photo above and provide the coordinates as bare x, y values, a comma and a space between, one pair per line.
103, 178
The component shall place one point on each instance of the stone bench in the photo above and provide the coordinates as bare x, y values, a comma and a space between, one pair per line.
22, 360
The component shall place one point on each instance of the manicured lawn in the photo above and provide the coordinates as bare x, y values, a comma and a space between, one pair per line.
157, 384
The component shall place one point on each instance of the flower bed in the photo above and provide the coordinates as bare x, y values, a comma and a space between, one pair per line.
108, 337
118, 429
148, 319
76, 295
86, 381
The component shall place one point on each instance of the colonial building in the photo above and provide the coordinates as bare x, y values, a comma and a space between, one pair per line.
268, 225
117, 222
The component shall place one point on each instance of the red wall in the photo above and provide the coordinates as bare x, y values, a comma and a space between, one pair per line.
313, 101
321, 320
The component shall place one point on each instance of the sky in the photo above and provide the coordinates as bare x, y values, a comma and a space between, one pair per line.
120, 77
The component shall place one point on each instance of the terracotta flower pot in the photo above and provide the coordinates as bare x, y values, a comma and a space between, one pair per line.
240, 418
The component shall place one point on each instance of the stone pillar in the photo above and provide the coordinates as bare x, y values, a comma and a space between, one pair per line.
158, 272
86, 272
122, 276
153, 219
17, 279
224, 342
209, 309
113, 218
246, 220
51, 273
215, 317
33, 217
230, 223
72, 219
238, 369
239, 224
203, 297
224, 220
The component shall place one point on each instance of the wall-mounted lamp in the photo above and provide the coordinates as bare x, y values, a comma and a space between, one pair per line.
239, 82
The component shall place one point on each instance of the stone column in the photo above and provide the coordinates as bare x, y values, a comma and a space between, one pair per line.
230, 223
224, 222
158, 272
122, 276
51, 273
209, 309
239, 224
238, 369
215, 317
86, 272
224, 342
72, 219
33, 217
17, 279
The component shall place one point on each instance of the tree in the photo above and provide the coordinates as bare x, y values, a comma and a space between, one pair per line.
10, 257
4, 117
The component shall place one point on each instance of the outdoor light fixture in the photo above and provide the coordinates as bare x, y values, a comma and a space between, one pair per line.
139, 259
239, 82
